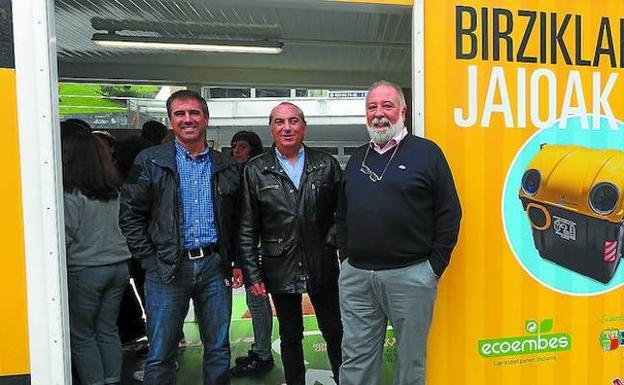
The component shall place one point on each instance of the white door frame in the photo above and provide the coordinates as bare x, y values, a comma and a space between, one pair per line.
40, 165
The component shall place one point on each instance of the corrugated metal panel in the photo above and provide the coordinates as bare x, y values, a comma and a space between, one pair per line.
343, 37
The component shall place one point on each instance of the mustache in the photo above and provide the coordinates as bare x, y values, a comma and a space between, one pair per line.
383, 136
381, 121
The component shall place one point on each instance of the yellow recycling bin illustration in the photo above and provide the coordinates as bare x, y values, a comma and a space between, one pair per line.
573, 198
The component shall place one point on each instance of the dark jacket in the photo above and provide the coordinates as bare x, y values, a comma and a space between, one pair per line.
150, 214
293, 227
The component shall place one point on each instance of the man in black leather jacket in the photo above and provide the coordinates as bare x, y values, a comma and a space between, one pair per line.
179, 214
289, 201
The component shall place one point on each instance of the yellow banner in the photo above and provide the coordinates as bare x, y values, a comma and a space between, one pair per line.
524, 97
14, 357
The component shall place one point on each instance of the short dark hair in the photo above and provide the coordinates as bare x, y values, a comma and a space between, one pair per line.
88, 166
78, 122
107, 138
70, 126
187, 94
127, 151
252, 138
299, 111
154, 131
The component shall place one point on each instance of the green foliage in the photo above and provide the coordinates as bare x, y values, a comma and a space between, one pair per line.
79, 98
127, 91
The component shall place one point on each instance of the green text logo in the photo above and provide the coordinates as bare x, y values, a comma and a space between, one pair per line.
538, 340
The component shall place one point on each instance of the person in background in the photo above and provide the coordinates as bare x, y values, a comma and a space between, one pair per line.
154, 131
127, 150
108, 139
76, 123
130, 322
97, 255
246, 145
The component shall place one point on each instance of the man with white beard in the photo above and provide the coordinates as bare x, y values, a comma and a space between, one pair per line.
397, 223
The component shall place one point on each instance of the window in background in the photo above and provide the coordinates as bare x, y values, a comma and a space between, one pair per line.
272, 92
227, 93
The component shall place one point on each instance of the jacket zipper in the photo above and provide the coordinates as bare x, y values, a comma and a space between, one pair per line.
178, 224
216, 202
297, 201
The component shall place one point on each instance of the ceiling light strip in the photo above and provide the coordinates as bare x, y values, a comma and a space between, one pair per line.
168, 44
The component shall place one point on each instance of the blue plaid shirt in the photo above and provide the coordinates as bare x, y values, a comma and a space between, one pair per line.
198, 222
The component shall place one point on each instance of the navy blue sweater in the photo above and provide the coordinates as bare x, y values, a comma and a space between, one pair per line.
412, 214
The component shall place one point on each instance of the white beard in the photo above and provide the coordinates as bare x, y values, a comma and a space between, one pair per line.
382, 137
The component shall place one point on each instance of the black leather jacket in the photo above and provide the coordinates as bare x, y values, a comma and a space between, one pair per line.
293, 227
150, 210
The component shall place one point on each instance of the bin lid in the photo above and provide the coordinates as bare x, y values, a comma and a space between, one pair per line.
570, 175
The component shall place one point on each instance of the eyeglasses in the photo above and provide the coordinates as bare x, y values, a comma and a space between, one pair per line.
370, 173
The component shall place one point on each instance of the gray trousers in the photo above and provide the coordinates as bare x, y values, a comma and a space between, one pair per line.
368, 299
94, 299
262, 324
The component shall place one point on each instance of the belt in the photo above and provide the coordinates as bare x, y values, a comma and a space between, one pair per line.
200, 252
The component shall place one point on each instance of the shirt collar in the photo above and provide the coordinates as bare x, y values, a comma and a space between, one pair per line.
180, 149
391, 143
279, 154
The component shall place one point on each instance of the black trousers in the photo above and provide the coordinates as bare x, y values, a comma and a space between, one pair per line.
290, 316
130, 321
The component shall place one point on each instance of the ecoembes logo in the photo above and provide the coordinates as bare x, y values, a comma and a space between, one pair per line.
538, 340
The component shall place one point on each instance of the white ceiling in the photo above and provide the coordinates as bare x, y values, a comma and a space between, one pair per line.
326, 44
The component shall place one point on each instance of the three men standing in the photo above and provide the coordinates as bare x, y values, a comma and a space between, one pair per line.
179, 214
396, 224
398, 221
288, 206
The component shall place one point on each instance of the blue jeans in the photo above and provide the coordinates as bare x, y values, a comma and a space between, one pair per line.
203, 281
262, 323
94, 300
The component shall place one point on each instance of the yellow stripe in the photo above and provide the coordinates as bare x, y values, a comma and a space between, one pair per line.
13, 323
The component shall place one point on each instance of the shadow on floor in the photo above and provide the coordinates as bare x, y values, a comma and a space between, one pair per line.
190, 359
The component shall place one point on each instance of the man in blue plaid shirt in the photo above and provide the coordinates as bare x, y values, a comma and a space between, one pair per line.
179, 213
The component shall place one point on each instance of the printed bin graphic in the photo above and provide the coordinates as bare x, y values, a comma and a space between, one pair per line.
573, 198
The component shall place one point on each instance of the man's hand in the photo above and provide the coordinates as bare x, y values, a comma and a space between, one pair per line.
237, 278
258, 289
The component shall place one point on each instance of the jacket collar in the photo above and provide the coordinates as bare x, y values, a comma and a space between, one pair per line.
164, 156
311, 162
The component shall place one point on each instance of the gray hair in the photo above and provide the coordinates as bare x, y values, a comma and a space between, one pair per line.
392, 85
